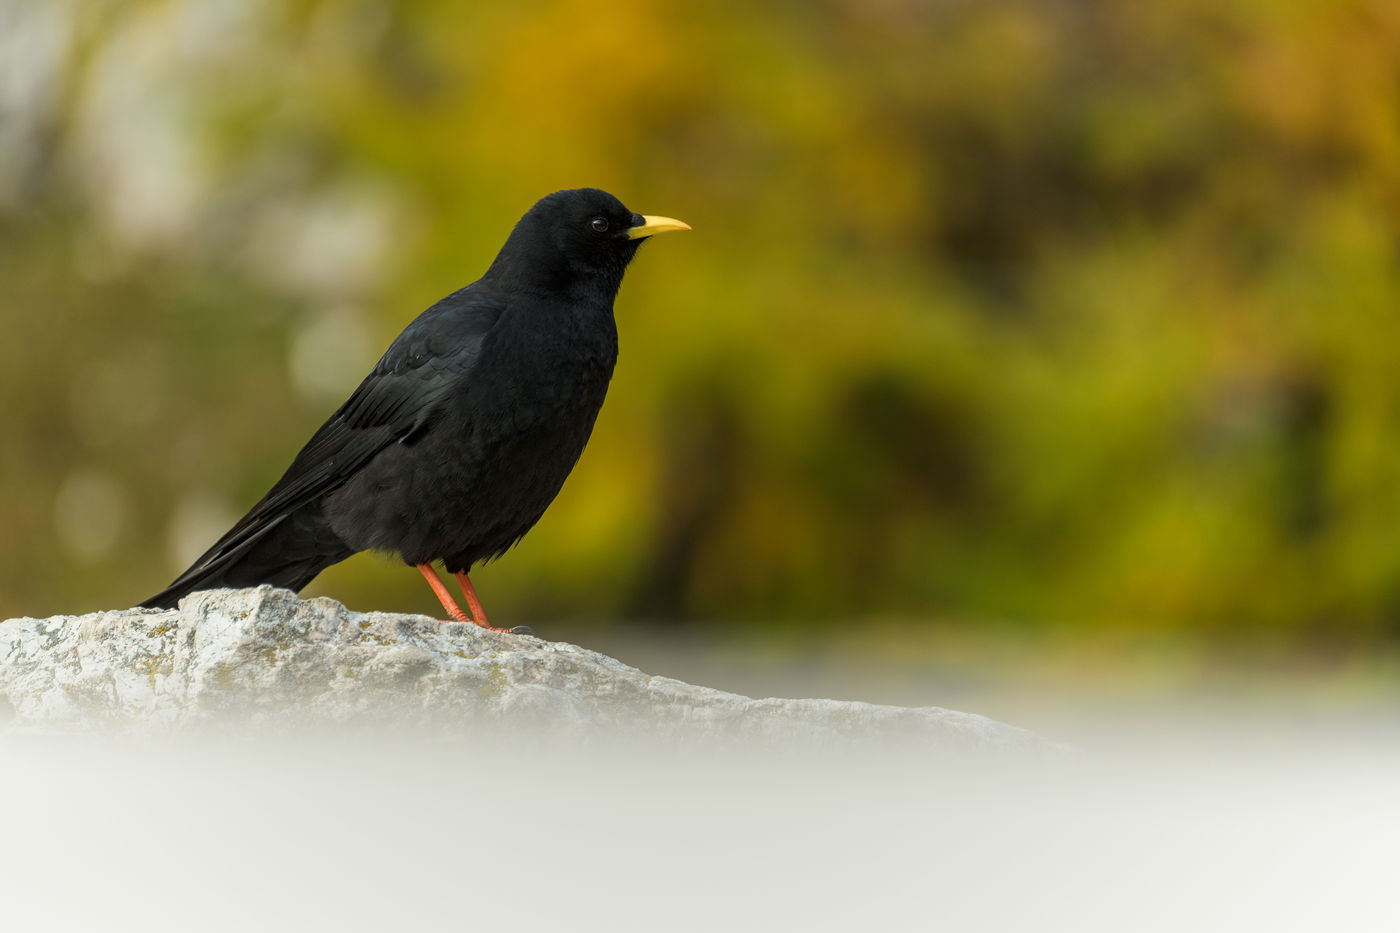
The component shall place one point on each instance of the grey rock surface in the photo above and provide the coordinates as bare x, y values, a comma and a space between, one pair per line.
262, 660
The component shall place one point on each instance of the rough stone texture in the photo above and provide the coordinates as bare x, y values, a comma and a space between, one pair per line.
263, 660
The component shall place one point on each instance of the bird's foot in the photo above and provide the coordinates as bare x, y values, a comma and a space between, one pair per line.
468, 620
489, 628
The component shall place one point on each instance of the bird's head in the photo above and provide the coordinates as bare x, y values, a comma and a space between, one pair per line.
579, 237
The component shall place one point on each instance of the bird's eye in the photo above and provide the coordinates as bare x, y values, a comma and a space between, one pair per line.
600, 224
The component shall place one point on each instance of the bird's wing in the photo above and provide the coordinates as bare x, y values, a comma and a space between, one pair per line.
401, 398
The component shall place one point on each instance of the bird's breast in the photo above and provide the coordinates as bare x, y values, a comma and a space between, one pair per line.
542, 371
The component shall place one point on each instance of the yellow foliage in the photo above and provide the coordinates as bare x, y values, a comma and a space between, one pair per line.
1058, 313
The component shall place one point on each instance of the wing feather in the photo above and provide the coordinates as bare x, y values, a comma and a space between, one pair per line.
398, 400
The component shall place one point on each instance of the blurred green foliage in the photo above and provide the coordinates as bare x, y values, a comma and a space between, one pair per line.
1056, 311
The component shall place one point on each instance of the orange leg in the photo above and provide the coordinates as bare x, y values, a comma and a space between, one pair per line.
473, 603
448, 603
440, 591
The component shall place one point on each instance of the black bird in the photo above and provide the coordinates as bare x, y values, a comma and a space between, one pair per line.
452, 448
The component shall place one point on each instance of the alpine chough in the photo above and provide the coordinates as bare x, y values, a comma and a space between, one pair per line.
458, 440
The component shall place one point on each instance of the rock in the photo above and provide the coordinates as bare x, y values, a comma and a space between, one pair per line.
262, 660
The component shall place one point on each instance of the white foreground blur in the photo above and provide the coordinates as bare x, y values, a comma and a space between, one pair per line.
403, 834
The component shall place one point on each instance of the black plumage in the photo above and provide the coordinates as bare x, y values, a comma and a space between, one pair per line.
464, 432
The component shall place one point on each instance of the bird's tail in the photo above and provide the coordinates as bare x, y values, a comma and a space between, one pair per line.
288, 551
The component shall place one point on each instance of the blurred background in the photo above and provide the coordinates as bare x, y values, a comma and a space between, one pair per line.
1055, 338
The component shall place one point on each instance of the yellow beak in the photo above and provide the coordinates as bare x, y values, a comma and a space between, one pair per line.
653, 225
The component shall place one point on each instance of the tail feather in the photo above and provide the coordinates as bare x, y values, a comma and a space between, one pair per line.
288, 551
